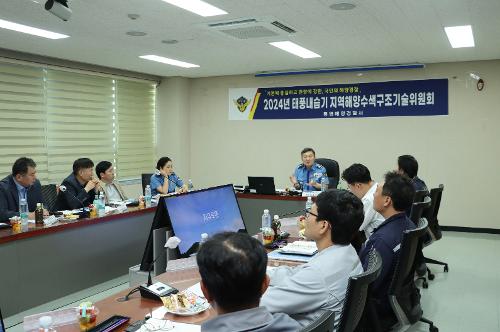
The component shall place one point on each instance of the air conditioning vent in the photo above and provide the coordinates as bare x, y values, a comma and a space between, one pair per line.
251, 27
230, 23
283, 27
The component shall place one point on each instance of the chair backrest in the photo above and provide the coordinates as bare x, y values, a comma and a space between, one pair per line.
403, 277
357, 292
406, 258
419, 196
49, 194
418, 208
332, 170
145, 179
431, 212
323, 323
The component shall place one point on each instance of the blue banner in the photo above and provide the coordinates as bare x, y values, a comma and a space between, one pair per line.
378, 99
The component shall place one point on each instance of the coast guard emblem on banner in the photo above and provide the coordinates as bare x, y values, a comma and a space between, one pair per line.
242, 104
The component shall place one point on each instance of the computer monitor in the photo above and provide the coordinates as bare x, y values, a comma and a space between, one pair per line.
210, 211
262, 184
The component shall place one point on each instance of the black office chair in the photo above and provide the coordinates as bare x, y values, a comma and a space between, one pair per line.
357, 292
323, 323
332, 170
49, 195
433, 231
404, 296
418, 208
145, 179
416, 213
419, 197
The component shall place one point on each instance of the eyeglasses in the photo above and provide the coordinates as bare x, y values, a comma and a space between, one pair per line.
308, 213
158, 325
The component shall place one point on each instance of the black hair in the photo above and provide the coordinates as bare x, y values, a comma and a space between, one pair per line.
343, 210
82, 163
21, 166
102, 167
304, 150
233, 267
400, 189
409, 165
356, 173
161, 162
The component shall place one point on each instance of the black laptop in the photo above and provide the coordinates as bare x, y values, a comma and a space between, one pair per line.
262, 184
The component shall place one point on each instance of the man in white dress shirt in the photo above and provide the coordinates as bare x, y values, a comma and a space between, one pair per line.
112, 190
360, 183
305, 291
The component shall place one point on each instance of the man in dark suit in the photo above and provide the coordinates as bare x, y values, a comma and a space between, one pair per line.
79, 188
22, 183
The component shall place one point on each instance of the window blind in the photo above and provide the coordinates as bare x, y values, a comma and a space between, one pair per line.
56, 117
22, 118
135, 111
79, 120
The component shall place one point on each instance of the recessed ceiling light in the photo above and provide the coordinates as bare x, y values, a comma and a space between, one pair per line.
460, 36
136, 33
168, 61
198, 7
295, 49
170, 41
343, 6
30, 30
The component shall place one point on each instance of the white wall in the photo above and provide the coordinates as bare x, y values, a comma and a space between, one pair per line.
460, 150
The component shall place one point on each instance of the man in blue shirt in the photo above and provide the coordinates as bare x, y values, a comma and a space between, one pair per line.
21, 184
408, 166
391, 199
165, 180
308, 175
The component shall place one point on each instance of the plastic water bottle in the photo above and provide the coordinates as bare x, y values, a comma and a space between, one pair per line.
23, 210
324, 183
102, 198
309, 203
305, 186
190, 185
101, 210
266, 219
147, 196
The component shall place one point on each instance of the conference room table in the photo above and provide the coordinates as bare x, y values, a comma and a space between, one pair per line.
137, 307
46, 263
252, 207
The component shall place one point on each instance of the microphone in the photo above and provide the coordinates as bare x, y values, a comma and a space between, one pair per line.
157, 290
291, 213
64, 190
157, 172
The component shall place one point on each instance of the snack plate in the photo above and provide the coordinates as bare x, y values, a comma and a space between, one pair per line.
198, 305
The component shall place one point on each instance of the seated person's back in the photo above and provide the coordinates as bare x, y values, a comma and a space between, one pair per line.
305, 291
233, 277
391, 200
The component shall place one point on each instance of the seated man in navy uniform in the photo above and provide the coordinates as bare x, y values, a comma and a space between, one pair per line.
233, 278
308, 175
408, 166
391, 199
22, 183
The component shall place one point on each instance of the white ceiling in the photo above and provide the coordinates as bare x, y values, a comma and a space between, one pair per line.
375, 32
